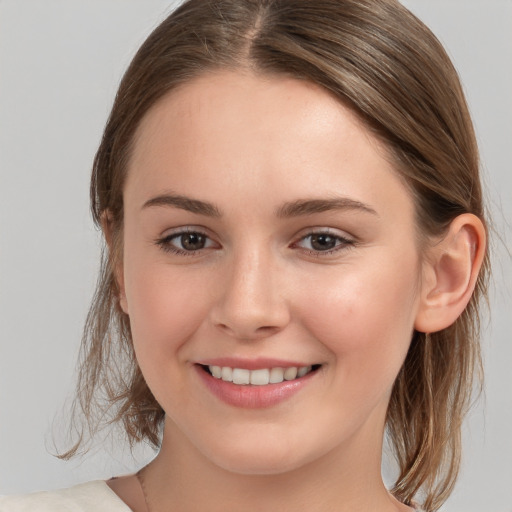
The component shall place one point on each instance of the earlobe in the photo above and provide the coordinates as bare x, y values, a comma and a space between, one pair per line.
451, 272
115, 259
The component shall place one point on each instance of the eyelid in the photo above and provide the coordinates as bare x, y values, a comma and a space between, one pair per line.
347, 241
343, 241
164, 241
168, 233
323, 230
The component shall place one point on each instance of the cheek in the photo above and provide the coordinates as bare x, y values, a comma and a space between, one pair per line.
165, 306
365, 316
165, 311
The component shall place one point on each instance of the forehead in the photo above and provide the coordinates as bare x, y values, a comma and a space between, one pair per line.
215, 105
245, 131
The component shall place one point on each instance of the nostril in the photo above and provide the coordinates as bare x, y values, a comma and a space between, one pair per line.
247, 333
248, 312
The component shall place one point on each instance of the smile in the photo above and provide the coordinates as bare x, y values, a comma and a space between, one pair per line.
258, 387
260, 377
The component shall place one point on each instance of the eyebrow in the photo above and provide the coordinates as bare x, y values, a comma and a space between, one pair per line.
310, 206
184, 203
295, 208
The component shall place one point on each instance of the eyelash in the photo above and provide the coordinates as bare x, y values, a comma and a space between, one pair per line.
165, 242
342, 243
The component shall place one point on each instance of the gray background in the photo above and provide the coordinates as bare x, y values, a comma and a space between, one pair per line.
60, 62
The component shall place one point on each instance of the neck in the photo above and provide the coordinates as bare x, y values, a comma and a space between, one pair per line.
346, 479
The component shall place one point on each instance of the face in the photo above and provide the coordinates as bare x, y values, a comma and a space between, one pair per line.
267, 240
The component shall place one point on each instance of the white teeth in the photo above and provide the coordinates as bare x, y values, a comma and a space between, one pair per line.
216, 371
227, 374
303, 370
241, 376
260, 377
276, 375
290, 373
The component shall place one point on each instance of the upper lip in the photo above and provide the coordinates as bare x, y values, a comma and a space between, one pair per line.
252, 364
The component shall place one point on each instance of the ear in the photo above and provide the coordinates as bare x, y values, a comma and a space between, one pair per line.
115, 259
450, 272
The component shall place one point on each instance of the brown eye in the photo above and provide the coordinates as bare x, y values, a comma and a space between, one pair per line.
323, 242
192, 241
186, 243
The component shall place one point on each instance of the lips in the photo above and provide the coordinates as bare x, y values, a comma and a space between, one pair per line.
266, 384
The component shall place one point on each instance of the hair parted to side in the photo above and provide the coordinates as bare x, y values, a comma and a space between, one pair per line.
381, 61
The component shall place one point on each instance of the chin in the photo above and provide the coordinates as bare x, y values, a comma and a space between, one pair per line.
257, 465
259, 458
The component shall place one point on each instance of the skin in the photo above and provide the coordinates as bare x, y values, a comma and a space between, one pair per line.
248, 144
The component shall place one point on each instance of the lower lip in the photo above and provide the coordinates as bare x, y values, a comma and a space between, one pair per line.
250, 396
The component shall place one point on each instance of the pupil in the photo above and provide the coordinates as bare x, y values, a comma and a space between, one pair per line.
323, 242
192, 241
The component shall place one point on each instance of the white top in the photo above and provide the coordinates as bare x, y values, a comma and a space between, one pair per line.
94, 496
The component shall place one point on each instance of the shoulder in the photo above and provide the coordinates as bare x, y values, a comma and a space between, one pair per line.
89, 497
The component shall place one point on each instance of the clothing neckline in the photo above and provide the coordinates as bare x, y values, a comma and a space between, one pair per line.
114, 495
128, 509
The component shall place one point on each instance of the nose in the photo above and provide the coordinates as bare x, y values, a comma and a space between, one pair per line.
251, 304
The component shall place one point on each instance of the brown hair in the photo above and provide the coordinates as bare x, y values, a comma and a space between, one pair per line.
381, 61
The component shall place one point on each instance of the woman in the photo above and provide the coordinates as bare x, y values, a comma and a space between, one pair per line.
290, 198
